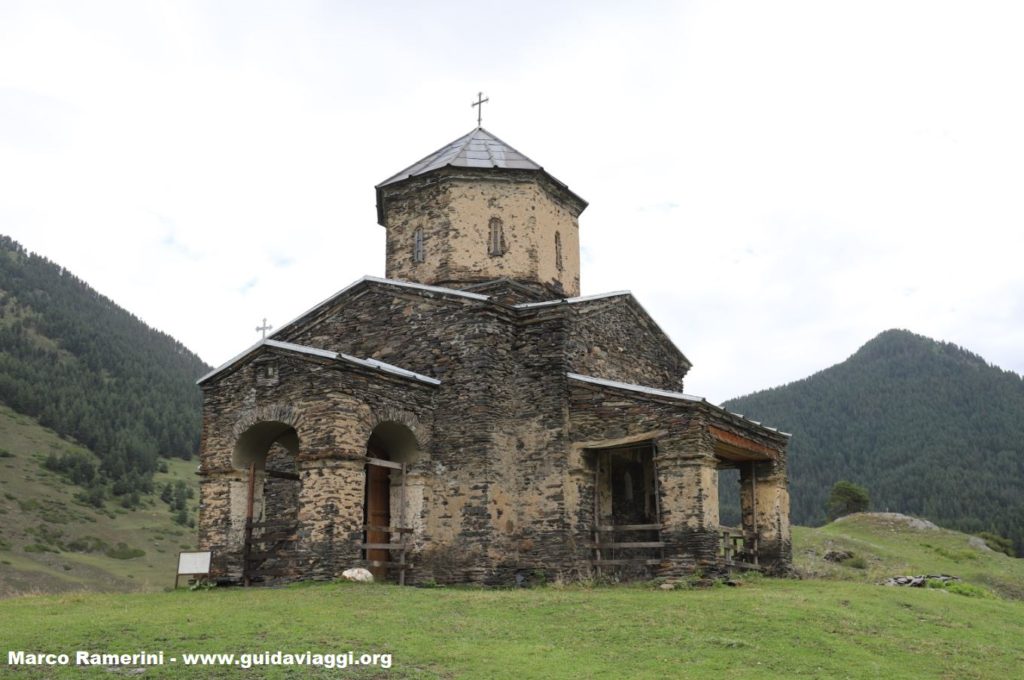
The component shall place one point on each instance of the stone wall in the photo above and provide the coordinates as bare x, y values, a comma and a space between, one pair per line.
611, 338
454, 209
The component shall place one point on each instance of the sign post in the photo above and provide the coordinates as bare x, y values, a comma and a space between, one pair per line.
193, 564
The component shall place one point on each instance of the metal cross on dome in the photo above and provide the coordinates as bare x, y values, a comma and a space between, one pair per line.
480, 99
264, 327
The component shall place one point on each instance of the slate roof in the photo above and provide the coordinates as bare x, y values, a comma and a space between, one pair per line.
324, 354
478, 149
667, 394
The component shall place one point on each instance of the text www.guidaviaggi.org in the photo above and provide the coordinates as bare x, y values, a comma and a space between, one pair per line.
279, 658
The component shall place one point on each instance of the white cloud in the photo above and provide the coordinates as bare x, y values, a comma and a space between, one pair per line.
777, 182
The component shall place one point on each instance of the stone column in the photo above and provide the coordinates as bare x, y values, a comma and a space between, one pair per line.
764, 502
688, 497
215, 528
331, 514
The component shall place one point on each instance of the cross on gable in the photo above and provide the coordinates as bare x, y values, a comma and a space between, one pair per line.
264, 327
480, 99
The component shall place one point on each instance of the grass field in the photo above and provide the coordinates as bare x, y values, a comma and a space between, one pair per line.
839, 624
40, 517
764, 628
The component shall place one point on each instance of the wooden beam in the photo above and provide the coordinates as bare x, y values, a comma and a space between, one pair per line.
632, 544
380, 462
628, 527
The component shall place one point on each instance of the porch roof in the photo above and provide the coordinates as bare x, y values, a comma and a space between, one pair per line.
323, 354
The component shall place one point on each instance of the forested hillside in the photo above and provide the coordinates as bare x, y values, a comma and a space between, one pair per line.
88, 369
929, 428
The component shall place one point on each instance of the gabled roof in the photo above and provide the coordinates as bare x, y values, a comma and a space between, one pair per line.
667, 394
478, 149
322, 354
629, 298
452, 292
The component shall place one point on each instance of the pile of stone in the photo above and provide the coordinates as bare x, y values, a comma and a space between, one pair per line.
838, 555
920, 581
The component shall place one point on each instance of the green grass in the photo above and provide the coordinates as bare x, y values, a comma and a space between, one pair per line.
51, 542
765, 628
891, 549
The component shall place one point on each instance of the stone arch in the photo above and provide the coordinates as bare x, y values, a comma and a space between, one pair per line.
419, 431
257, 430
283, 413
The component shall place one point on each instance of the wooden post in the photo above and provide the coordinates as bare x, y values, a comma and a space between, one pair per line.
657, 493
246, 549
401, 534
597, 509
753, 504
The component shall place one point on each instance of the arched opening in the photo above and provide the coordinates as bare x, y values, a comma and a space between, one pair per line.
391, 448
265, 506
254, 444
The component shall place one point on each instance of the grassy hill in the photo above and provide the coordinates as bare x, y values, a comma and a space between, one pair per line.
838, 624
929, 428
51, 541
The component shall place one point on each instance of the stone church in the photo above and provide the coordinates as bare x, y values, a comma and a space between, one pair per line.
471, 418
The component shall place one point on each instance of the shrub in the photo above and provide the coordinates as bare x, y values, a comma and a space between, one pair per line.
997, 543
123, 551
846, 498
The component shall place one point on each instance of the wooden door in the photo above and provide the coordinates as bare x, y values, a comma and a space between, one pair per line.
378, 516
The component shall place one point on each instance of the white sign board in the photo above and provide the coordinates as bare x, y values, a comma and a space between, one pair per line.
192, 564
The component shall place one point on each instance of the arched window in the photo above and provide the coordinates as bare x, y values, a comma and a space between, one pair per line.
496, 238
417, 246
558, 250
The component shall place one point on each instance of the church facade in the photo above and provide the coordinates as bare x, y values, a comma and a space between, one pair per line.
472, 418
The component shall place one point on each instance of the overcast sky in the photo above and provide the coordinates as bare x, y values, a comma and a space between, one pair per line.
776, 182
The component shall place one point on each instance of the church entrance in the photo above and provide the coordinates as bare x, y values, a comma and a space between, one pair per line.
265, 507
389, 452
627, 517
378, 514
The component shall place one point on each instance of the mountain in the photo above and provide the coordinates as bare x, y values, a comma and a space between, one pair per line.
87, 369
929, 428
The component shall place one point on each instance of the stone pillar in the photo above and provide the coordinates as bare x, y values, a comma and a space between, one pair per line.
764, 502
331, 514
215, 532
688, 498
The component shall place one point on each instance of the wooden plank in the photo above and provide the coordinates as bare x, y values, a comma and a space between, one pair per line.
612, 563
282, 475
632, 544
743, 565
628, 527
380, 462
388, 565
382, 546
